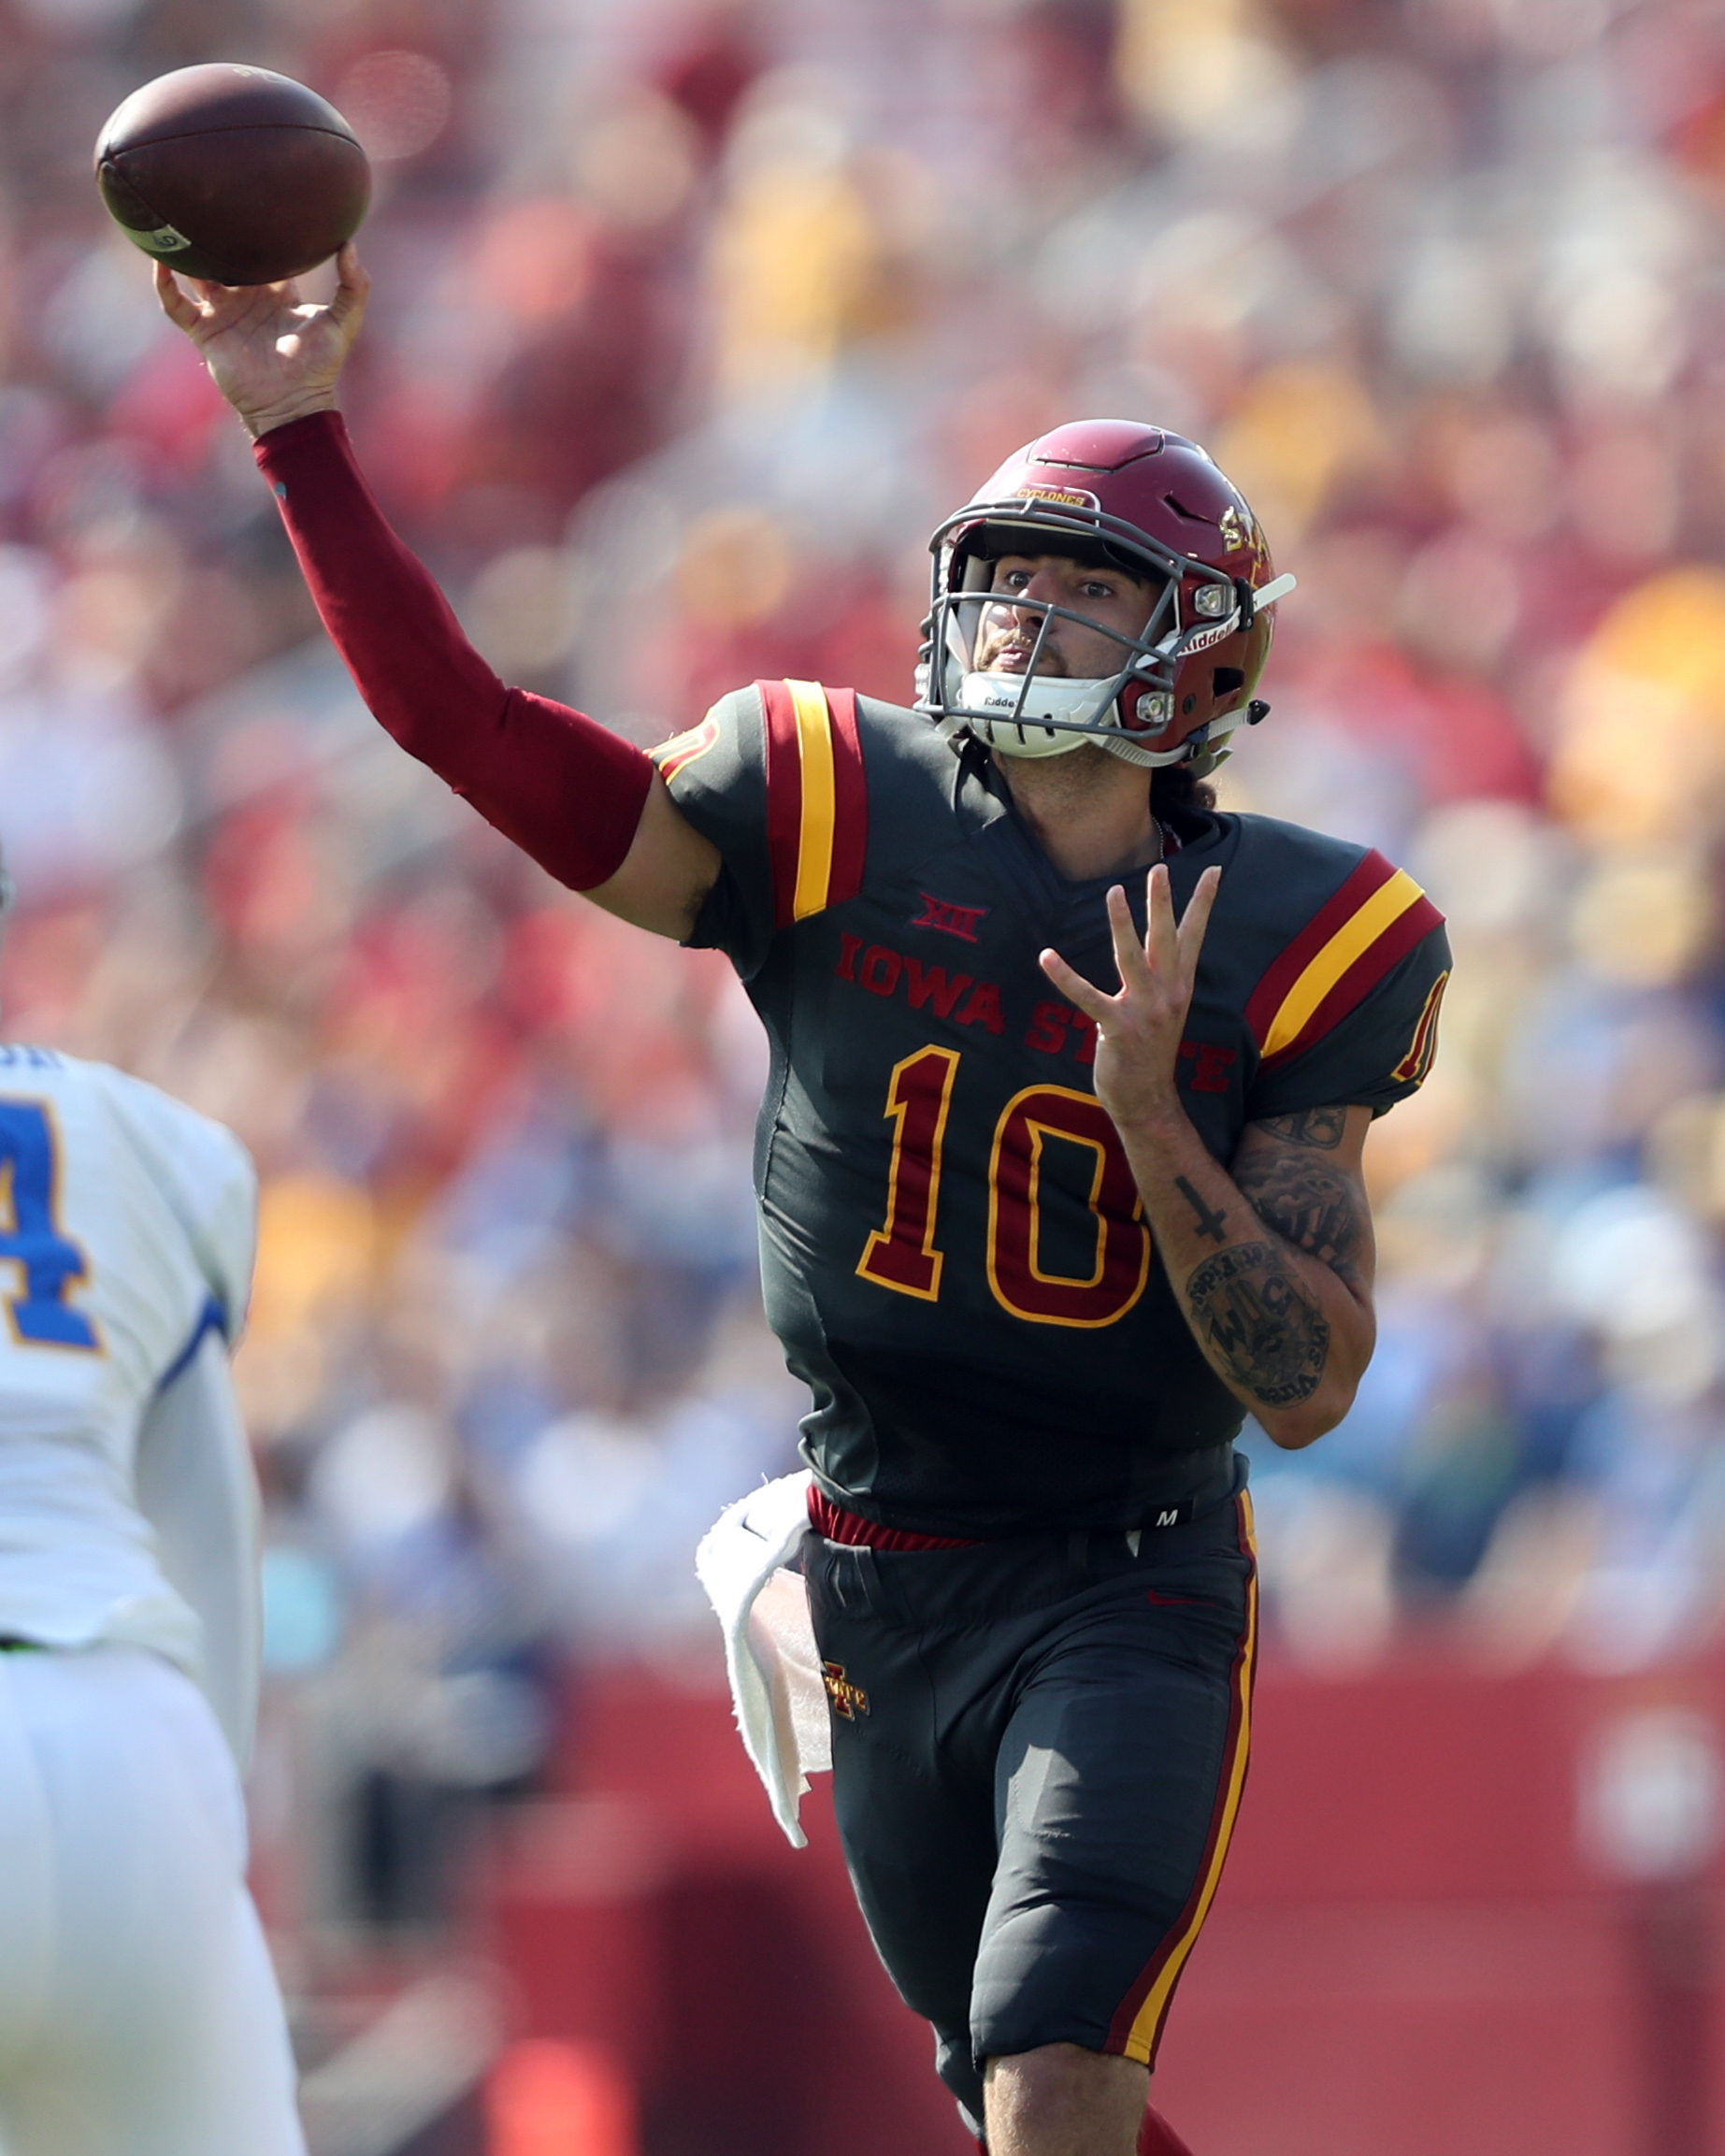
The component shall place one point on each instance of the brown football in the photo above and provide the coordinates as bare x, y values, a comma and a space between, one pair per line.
232, 173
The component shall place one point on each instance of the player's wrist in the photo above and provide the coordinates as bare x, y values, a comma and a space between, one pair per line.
1154, 1120
264, 419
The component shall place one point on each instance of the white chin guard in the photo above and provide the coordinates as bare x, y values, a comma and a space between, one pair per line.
1019, 733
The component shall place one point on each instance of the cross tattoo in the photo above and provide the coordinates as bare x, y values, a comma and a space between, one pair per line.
1209, 1224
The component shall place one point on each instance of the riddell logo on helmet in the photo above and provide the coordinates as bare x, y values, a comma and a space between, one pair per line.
1064, 496
1219, 633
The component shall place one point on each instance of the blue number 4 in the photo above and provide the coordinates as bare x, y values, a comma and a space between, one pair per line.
31, 1237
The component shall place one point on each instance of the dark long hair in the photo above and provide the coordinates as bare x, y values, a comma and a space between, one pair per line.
1177, 791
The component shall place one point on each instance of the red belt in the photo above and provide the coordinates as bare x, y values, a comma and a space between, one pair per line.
838, 1525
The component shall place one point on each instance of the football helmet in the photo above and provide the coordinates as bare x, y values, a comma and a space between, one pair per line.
1141, 500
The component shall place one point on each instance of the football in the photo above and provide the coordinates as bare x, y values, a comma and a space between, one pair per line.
232, 173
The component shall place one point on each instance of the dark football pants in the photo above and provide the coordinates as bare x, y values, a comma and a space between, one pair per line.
1038, 1751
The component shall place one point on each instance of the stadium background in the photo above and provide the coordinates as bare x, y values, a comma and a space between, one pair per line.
691, 320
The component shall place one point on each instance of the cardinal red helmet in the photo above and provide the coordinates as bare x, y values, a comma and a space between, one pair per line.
1141, 500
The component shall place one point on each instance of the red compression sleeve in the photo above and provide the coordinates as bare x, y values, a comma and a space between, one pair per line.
1157, 2137
564, 788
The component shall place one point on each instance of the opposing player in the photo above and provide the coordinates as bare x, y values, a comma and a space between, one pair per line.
1036, 1244
138, 2012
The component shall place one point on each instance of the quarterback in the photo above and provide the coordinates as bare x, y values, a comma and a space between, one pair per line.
138, 2012
1059, 1171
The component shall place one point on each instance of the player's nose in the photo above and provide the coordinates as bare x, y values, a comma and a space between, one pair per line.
1044, 589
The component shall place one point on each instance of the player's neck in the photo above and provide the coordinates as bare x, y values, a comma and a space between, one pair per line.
1087, 811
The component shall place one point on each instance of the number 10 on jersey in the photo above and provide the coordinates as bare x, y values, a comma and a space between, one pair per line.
903, 1255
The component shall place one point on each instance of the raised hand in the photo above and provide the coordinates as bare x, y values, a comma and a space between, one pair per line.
1140, 1028
274, 356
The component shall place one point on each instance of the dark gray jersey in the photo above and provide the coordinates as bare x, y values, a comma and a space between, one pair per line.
953, 1246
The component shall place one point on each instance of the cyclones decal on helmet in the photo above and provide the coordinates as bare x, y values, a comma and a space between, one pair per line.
1140, 500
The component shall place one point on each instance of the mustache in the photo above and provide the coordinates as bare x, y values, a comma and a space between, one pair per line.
1003, 644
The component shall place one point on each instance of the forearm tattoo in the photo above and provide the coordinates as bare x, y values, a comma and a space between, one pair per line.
1210, 1223
1308, 1204
1322, 1128
1260, 1327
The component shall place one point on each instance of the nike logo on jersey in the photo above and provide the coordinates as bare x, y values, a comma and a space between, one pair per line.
949, 919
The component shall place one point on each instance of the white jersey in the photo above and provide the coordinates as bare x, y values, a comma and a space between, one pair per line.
127, 1226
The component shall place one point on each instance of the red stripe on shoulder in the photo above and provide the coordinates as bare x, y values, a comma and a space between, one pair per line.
1267, 998
1404, 934
683, 749
1416, 1063
783, 797
849, 836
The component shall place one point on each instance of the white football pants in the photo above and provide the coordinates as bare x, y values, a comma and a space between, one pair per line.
139, 2015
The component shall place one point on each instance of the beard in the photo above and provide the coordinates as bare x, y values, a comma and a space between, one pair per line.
1052, 782
996, 645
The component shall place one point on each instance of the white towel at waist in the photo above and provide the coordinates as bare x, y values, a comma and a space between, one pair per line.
770, 1653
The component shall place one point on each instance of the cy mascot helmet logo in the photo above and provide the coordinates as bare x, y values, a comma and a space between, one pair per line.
1138, 499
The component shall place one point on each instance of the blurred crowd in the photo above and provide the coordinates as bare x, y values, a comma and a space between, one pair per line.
692, 318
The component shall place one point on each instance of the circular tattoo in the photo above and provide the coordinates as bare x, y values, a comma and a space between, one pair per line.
1265, 1328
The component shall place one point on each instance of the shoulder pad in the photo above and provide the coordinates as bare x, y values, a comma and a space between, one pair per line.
204, 1174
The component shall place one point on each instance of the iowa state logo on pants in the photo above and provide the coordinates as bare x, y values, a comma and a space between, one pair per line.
847, 1699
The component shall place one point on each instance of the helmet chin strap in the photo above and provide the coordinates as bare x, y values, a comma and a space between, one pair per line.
1204, 749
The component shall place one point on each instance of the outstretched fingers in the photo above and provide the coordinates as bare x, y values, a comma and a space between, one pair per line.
1189, 937
1161, 945
1132, 959
1086, 996
1082, 994
1164, 962
1170, 947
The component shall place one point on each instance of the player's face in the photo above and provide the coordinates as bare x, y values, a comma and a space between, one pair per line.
1007, 634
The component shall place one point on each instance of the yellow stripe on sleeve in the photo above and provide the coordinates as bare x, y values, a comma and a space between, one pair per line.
819, 800
1355, 937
